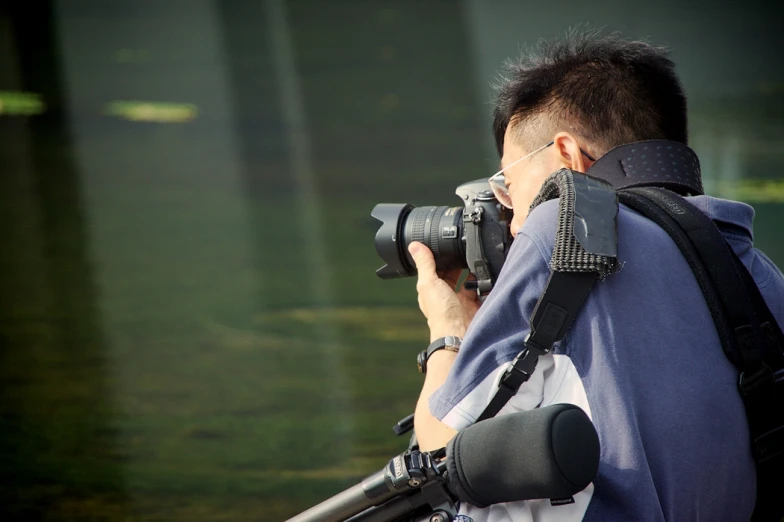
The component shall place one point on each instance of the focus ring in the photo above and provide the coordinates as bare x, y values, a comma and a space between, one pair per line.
418, 217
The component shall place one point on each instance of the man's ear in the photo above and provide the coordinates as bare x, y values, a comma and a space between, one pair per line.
568, 152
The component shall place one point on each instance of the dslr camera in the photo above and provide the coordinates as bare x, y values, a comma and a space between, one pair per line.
475, 236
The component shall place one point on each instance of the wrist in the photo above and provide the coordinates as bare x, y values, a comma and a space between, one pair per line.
441, 362
446, 329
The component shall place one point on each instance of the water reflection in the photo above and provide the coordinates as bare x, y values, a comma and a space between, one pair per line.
190, 323
58, 442
309, 212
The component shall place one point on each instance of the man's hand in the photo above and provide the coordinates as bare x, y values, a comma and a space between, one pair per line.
447, 312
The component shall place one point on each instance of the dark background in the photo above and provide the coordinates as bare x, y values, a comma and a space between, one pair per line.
190, 324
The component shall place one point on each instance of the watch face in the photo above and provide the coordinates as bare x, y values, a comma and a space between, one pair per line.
421, 361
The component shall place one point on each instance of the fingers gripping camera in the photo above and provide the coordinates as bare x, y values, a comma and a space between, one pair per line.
475, 236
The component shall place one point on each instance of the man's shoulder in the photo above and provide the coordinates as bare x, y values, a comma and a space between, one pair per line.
541, 225
543, 218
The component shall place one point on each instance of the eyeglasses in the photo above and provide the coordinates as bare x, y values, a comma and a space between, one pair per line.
498, 182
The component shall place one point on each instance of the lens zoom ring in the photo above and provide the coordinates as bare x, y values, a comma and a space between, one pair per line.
435, 227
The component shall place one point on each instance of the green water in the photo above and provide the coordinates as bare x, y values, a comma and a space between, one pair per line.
190, 323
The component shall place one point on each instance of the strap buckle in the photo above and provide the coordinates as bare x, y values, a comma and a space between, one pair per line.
520, 371
769, 446
531, 344
752, 383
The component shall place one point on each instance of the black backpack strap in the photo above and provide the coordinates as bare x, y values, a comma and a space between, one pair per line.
773, 354
764, 402
734, 297
685, 228
748, 331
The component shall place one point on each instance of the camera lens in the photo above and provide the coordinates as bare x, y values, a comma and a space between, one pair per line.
439, 228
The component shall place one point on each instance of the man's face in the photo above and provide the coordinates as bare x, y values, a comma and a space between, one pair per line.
526, 177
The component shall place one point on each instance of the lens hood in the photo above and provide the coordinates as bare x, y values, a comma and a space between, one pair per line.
389, 240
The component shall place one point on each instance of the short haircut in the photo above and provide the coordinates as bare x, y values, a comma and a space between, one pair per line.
606, 89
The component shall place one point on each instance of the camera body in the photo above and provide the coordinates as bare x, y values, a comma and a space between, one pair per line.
475, 236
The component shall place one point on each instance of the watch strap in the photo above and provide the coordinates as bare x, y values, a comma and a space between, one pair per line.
450, 342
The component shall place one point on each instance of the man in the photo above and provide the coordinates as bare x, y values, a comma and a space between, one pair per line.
643, 358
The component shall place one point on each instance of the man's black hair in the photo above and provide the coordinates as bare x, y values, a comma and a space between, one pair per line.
611, 90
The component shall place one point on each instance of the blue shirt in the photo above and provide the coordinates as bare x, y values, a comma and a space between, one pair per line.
643, 359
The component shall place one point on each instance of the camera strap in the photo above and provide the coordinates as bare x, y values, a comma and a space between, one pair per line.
553, 316
592, 199
578, 260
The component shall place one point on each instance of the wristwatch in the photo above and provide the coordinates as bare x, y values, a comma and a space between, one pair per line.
450, 342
